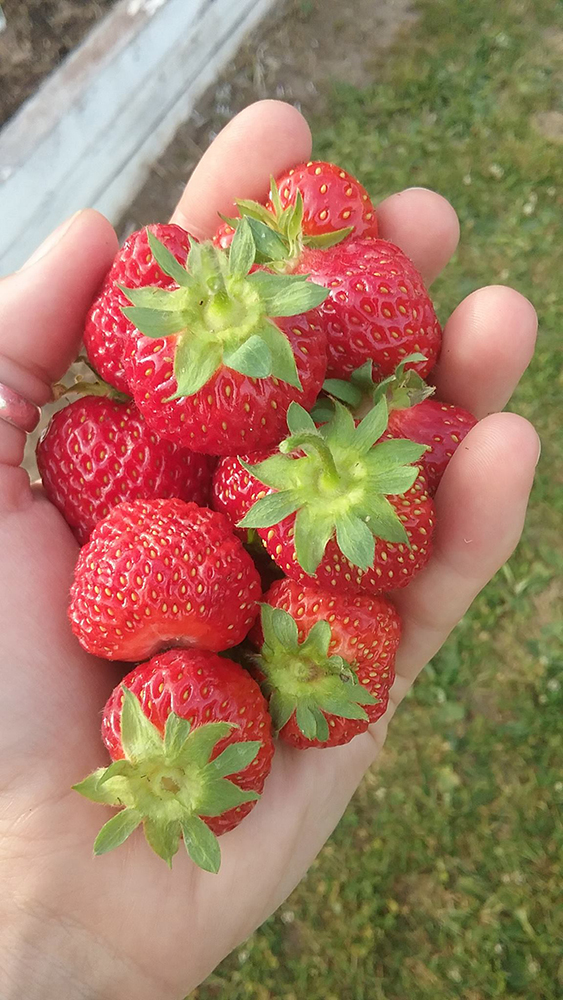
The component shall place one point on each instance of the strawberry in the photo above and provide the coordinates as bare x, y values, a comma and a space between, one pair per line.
342, 509
234, 490
333, 202
159, 573
190, 737
220, 354
332, 199
326, 662
377, 308
98, 452
134, 266
440, 426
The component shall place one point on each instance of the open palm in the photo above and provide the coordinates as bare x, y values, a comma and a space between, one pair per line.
123, 925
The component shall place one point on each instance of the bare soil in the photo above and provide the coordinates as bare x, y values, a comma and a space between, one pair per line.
37, 37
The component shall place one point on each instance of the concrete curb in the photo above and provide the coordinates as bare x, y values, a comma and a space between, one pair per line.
90, 133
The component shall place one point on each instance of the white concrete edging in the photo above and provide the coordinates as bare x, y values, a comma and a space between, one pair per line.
91, 132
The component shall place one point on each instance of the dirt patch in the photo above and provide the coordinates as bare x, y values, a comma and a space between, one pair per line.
549, 124
37, 37
548, 603
295, 55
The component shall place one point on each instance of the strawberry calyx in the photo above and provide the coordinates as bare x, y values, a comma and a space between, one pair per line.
278, 231
304, 678
88, 387
336, 479
402, 390
168, 782
222, 312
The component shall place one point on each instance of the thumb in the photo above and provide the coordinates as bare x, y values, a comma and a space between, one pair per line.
42, 311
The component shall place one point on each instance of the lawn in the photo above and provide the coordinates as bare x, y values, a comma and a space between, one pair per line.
444, 878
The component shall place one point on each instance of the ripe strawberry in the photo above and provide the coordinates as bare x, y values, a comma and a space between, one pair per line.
159, 573
377, 308
234, 490
222, 352
98, 452
333, 201
326, 662
344, 510
135, 267
440, 426
176, 728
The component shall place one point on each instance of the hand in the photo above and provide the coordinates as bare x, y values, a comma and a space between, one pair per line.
123, 925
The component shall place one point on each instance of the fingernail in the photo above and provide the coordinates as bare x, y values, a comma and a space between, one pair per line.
51, 241
539, 450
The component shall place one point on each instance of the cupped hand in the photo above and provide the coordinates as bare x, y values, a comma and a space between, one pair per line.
124, 925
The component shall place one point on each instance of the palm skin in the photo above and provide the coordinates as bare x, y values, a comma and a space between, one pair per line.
123, 925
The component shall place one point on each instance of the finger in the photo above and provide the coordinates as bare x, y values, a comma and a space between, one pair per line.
424, 225
480, 510
42, 309
488, 343
266, 138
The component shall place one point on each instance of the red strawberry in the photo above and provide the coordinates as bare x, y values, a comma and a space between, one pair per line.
440, 426
234, 490
222, 352
98, 452
177, 728
232, 411
344, 510
333, 201
135, 267
378, 308
160, 573
326, 662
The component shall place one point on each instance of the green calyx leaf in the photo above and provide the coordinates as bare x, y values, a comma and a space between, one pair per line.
242, 251
221, 314
405, 388
252, 358
201, 844
167, 261
138, 735
327, 240
279, 629
269, 246
270, 510
336, 479
287, 294
115, 832
169, 781
283, 358
278, 232
195, 363
303, 679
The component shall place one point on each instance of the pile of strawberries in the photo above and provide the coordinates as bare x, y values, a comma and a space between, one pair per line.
249, 481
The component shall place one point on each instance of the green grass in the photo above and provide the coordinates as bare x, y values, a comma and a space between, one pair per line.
444, 877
